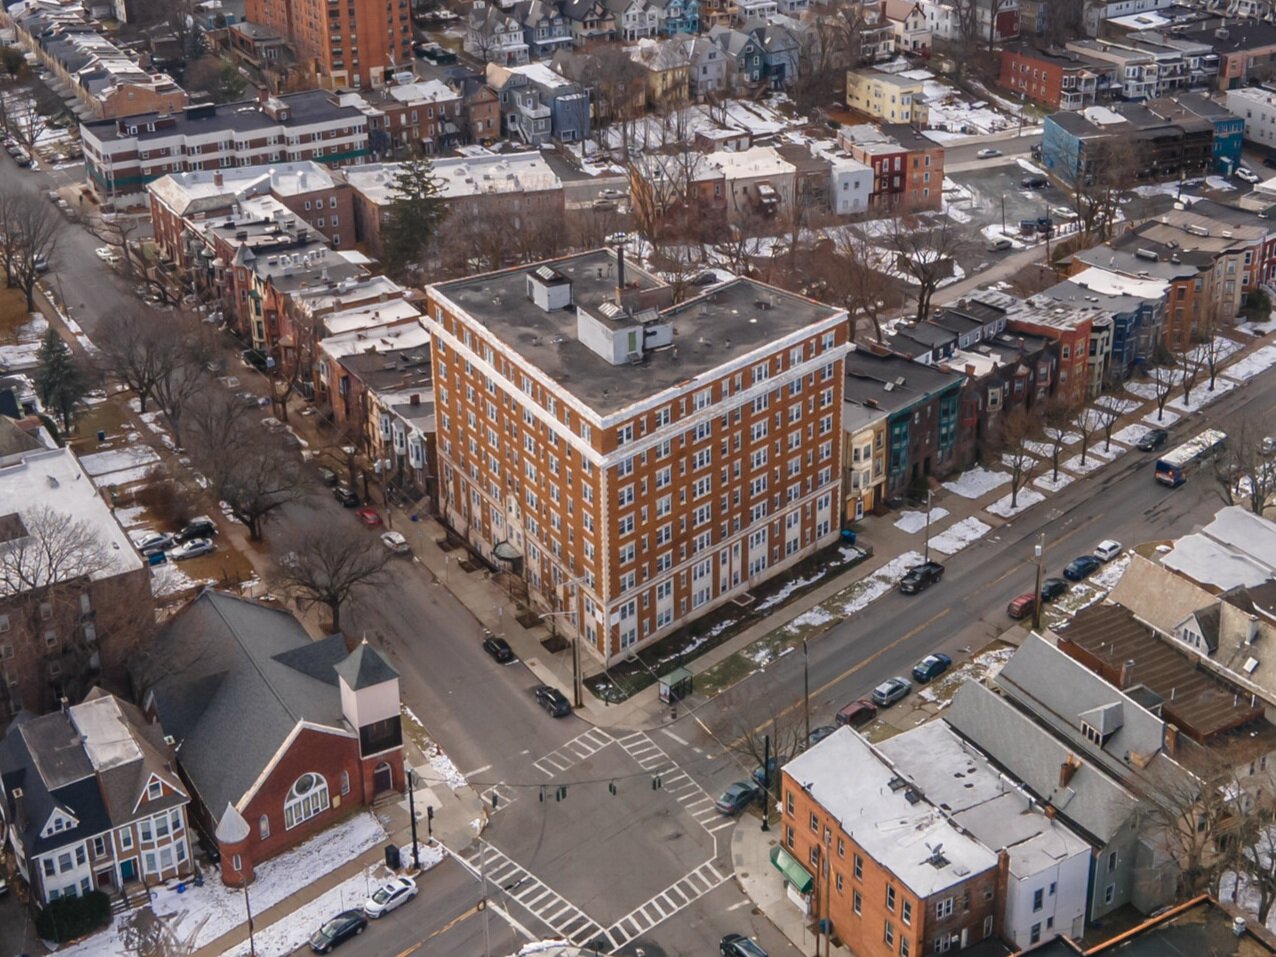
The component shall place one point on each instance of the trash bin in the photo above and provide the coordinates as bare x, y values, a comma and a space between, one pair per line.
392, 860
848, 536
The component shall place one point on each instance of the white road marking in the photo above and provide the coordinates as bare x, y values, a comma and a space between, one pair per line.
738, 906
478, 771
668, 733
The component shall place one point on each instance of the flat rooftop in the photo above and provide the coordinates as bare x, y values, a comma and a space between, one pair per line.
53, 479
1199, 927
961, 780
726, 323
897, 827
1199, 705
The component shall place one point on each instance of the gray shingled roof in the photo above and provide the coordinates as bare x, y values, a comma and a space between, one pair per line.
1092, 800
365, 667
240, 676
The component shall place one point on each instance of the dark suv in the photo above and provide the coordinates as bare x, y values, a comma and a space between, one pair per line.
737, 945
553, 701
920, 577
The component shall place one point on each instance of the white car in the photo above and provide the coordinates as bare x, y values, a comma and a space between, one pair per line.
191, 549
1248, 175
396, 543
988, 153
106, 254
389, 896
1107, 550
148, 543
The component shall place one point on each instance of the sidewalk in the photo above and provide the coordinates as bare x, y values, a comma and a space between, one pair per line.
761, 883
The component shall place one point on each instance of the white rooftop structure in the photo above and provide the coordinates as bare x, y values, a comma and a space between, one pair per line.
401, 334
106, 733
755, 161
53, 479
370, 315
540, 74
348, 292
857, 784
191, 190
1236, 548
462, 176
428, 91
1114, 284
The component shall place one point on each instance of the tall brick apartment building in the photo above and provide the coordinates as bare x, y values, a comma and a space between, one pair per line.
637, 461
354, 43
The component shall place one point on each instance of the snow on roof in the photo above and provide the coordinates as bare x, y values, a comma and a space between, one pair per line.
54, 479
1236, 548
106, 734
541, 74
857, 784
755, 161
372, 314
382, 338
462, 176
430, 91
180, 190
1114, 284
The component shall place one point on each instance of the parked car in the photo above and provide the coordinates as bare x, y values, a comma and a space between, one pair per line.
610, 193
345, 495
326, 475
271, 424
1269, 444
347, 924
192, 549
1034, 182
389, 896
1270, 162
998, 245
199, 527
819, 734
254, 358
761, 772
605, 205
22, 158
931, 667
1080, 567
1107, 550
396, 543
1021, 606
890, 691
369, 516
105, 253
150, 542
737, 945
737, 797
1247, 175
988, 153
857, 713
553, 701
41, 264
1153, 440
920, 577
499, 649
1052, 588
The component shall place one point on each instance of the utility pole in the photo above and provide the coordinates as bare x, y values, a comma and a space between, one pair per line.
416, 854
926, 549
1003, 213
252, 946
1039, 551
483, 902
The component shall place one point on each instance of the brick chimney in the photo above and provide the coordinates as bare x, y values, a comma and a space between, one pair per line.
218, 179
1067, 769
1171, 740
1127, 674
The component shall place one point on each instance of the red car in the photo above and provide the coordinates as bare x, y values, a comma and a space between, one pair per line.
1022, 606
368, 515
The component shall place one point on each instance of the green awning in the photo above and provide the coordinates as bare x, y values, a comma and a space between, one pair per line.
793, 872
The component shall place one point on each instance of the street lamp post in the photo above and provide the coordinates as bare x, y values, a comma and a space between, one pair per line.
1038, 550
416, 854
926, 550
252, 945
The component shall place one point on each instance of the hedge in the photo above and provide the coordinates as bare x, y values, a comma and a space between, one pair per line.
70, 917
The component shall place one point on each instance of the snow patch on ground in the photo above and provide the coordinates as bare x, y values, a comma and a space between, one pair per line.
1051, 484
860, 595
958, 536
1202, 396
1258, 361
1161, 419
1124, 406
1027, 498
445, 769
119, 460
168, 579
977, 482
1131, 434
131, 516
913, 522
1093, 462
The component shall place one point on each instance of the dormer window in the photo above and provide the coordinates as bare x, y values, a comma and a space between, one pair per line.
154, 790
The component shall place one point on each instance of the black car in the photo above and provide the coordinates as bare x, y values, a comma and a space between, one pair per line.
1154, 440
553, 701
498, 648
763, 776
1079, 568
201, 527
931, 667
737, 797
345, 495
920, 577
1052, 588
1270, 162
819, 734
737, 945
347, 924
1034, 182
254, 358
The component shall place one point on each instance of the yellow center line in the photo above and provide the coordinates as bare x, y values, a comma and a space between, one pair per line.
442, 930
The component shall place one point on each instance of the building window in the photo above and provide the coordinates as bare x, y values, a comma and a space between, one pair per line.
345, 782
890, 897
906, 912
888, 934
263, 827
858, 865
308, 797
1038, 899
235, 863
154, 791
1109, 894
857, 902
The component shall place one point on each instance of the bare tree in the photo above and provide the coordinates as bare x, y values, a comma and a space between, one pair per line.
619, 87
829, 44
245, 466
327, 565
117, 231
1245, 473
1095, 192
925, 250
56, 548
1210, 351
1252, 840
25, 113
1190, 363
1164, 377
1019, 428
782, 737
30, 229
855, 280
1109, 415
129, 350
1057, 427
1086, 425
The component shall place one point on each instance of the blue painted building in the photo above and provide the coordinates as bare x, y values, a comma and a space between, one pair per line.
1136, 307
678, 16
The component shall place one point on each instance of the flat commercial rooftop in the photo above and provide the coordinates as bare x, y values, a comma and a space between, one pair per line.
725, 323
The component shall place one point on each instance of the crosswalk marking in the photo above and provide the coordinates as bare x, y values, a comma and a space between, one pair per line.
559, 914
504, 796
573, 752
675, 781
661, 907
